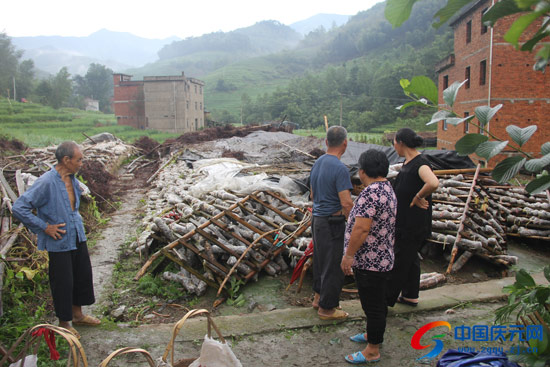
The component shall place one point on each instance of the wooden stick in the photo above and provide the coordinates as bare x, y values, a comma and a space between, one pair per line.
462, 170
6, 186
170, 161
296, 149
9, 243
92, 140
461, 225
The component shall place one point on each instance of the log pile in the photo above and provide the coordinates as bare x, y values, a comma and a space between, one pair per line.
223, 237
480, 227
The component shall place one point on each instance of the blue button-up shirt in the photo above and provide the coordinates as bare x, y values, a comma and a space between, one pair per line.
49, 197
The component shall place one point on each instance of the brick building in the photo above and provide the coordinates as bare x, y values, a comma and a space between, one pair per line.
497, 73
165, 103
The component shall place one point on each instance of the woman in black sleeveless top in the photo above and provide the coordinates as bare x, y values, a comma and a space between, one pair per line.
413, 187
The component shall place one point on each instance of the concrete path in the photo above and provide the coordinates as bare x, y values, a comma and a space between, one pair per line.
99, 342
104, 254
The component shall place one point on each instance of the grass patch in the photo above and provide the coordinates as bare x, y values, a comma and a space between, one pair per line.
370, 138
39, 126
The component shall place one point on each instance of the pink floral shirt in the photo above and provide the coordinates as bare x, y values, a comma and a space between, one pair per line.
376, 201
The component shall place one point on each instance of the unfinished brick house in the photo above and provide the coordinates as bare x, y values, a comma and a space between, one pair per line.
165, 103
497, 73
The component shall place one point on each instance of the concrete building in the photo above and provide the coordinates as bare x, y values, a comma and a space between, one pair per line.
165, 103
497, 74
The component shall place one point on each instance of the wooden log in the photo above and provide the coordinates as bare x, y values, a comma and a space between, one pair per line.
6, 186
445, 215
533, 232
5, 225
455, 183
431, 280
461, 261
6, 246
241, 257
464, 244
532, 222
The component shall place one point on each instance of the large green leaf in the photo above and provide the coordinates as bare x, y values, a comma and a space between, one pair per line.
538, 185
452, 7
500, 9
438, 116
536, 165
545, 148
524, 279
489, 149
423, 86
484, 114
449, 94
528, 46
520, 135
398, 11
517, 28
469, 143
411, 104
458, 120
508, 168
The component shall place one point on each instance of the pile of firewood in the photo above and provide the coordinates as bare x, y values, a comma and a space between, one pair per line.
214, 234
476, 214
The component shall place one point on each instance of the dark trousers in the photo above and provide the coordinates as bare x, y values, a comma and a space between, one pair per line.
372, 287
405, 275
328, 242
71, 280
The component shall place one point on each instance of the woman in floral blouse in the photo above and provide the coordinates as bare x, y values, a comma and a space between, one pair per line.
368, 250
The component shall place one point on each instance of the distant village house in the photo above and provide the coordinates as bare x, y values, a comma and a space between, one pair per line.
497, 74
91, 104
166, 103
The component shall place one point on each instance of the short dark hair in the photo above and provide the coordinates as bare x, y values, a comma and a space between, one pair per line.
409, 138
65, 149
374, 163
336, 135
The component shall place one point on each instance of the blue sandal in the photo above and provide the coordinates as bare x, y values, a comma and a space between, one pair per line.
358, 338
358, 357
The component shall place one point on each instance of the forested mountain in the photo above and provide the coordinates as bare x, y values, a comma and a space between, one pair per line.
350, 73
264, 37
199, 56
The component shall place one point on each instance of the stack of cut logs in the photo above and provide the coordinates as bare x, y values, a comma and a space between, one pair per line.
479, 226
222, 237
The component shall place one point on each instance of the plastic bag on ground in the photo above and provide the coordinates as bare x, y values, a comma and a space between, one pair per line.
30, 361
215, 354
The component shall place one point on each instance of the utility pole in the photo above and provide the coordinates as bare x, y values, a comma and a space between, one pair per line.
14, 93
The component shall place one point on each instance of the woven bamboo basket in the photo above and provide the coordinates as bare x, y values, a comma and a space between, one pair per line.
76, 356
175, 331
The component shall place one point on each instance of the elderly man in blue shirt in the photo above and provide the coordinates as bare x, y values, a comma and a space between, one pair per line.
56, 198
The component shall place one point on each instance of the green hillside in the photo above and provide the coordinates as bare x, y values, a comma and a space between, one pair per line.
39, 126
350, 73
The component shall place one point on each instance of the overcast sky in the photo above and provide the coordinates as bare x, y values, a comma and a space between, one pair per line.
159, 18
